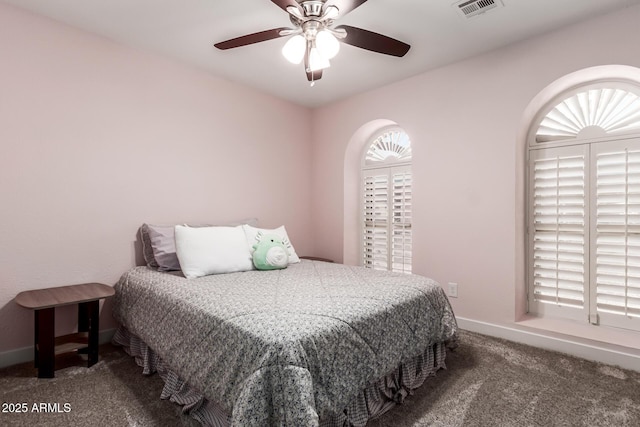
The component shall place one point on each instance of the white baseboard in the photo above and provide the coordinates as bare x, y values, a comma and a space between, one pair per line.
21, 355
591, 351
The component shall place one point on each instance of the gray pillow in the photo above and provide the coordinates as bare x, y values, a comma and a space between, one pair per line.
163, 243
159, 243
147, 249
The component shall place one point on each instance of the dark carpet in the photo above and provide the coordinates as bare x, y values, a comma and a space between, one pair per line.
489, 382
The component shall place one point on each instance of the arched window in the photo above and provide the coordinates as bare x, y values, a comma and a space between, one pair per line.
599, 110
386, 198
584, 207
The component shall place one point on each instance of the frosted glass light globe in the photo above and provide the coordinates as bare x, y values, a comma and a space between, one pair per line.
317, 61
294, 49
328, 45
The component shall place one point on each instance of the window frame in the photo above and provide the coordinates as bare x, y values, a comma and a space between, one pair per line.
590, 142
388, 167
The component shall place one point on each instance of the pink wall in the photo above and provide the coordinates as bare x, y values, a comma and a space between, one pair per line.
464, 121
97, 138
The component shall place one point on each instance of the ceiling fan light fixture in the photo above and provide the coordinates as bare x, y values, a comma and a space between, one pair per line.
328, 44
294, 49
316, 60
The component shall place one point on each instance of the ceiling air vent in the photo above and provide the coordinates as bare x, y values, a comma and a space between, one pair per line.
469, 8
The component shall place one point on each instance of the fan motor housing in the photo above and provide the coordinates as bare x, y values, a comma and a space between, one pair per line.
312, 7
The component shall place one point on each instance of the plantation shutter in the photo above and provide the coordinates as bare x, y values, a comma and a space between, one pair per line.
616, 237
376, 219
558, 227
401, 225
387, 218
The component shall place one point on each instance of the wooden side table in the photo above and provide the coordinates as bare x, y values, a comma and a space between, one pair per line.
44, 301
316, 258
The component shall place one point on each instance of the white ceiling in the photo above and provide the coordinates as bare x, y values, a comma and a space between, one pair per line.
187, 29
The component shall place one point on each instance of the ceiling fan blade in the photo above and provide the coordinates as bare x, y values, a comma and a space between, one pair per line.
345, 6
252, 38
312, 76
374, 42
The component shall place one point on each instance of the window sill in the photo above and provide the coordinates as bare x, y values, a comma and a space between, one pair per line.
604, 335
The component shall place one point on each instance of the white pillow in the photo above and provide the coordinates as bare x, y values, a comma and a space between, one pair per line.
252, 238
212, 250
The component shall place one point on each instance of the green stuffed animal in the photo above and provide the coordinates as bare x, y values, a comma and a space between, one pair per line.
270, 253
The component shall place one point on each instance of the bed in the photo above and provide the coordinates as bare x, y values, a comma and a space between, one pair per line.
314, 344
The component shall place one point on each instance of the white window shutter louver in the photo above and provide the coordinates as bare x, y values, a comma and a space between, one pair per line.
387, 218
617, 230
376, 220
611, 110
401, 244
558, 250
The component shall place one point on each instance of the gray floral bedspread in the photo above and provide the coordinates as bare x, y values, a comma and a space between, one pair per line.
285, 347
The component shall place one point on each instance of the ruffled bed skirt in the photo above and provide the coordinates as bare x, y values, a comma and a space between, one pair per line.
376, 399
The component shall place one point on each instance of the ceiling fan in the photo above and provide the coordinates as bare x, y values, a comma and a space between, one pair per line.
314, 39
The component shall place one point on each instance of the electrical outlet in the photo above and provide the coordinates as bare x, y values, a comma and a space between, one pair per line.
453, 290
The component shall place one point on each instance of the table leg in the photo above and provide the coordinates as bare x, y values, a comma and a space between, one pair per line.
93, 308
83, 317
36, 335
45, 342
